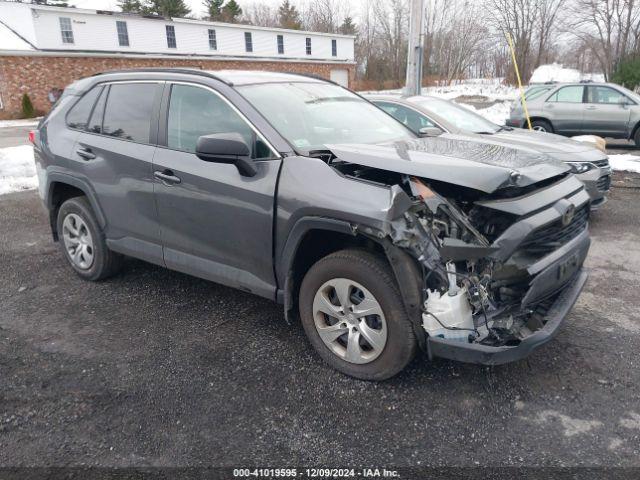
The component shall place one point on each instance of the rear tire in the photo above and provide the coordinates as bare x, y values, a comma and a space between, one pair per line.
636, 137
542, 126
83, 243
370, 287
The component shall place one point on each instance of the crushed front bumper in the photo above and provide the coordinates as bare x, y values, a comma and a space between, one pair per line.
487, 355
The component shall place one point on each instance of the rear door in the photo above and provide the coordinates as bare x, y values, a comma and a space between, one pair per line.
116, 150
607, 112
565, 109
216, 223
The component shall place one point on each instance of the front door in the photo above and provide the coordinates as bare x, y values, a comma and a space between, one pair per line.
215, 223
565, 109
606, 112
117, 149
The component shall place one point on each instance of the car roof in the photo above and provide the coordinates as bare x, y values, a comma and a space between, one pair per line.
230, 77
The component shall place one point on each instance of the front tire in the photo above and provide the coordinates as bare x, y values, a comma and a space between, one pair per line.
354, 317
83, 243
542, 126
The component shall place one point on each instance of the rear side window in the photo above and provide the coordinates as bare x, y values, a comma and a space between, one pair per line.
78, 116
604, 95
408, 116
128, 111
572, 94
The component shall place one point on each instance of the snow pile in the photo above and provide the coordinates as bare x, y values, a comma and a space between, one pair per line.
10, 41
555, 72
17, 169
625, 162
27, 122
496, 113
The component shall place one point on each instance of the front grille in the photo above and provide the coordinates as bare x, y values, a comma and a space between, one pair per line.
601, 163
604, 183
549, 238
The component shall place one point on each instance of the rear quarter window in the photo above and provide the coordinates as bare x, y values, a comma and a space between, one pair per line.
78, 116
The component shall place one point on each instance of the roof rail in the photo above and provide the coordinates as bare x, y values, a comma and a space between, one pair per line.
586, 81
313, 75
190, 70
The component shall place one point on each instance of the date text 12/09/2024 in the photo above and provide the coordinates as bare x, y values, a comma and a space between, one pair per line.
315, 473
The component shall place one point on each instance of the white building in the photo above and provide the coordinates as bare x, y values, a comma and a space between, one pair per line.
75, 29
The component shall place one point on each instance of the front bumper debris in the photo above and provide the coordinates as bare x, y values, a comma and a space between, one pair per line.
488, 355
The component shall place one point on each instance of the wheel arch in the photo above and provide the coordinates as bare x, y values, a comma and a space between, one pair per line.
544, 119
61, 187
314, 238
635, 130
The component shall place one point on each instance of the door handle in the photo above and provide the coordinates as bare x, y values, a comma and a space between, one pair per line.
85, 153
167, 177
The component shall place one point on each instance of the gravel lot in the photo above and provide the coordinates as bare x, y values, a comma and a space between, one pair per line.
155, 368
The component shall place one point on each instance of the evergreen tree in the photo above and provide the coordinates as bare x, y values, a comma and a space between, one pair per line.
166, 8
214, 9
288, 16
231, 12
27, 107
130, 6
348, 27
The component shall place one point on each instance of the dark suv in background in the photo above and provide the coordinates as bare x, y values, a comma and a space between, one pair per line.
298, 190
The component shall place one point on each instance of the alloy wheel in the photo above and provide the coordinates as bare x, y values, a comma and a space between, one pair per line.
78, 241
349, 320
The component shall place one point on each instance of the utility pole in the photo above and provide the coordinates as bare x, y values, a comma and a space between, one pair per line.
415, 55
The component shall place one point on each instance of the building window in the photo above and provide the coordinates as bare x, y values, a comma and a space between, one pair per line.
123, 34
281, 44
66, 30
248, 42
308, 46
334, 48
213, 42
171, 36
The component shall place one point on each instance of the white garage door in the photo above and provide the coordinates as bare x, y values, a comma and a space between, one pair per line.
340, 76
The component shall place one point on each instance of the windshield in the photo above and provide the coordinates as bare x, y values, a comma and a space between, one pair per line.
460, 117
311, 115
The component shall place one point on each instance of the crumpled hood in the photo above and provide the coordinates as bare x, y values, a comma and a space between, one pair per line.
479, 165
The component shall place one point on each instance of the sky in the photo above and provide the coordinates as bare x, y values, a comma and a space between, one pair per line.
196, 5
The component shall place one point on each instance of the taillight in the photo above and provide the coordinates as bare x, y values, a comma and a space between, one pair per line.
32, 136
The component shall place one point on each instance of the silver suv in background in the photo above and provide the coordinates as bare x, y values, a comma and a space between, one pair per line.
603, 109
434, 116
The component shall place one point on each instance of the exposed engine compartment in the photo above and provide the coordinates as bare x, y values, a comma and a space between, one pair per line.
457, 242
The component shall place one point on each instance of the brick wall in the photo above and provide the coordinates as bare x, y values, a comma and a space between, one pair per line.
37, 75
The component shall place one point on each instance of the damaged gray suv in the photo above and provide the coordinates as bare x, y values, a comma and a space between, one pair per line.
298, 190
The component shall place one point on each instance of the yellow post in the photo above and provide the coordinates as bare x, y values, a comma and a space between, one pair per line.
515, 64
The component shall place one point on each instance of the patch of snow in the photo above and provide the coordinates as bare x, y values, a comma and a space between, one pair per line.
10, 41
625, 162
496, 113
17, 169
556, 72
27, 122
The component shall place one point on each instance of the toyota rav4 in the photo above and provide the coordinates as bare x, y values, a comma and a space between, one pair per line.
296, 189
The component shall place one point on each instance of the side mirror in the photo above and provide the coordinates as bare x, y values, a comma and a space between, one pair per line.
226, 148
623, 101
430, 132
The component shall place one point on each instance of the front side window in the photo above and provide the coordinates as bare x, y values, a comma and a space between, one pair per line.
123, 34
605, 95
460, 117
248, 42
281, 44
334, 48
308, 46
78, 116
195, 111
128, 111
412, 119
572, 94
213, 42
66, 30
311, 115
171, 36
